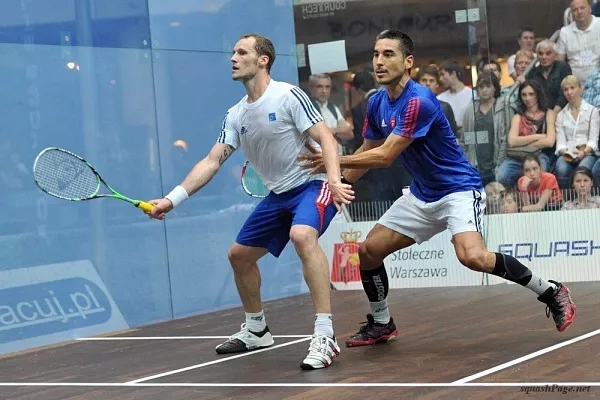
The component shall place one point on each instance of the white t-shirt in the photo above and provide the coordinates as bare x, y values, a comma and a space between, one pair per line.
582, 48
272, 133
459, 102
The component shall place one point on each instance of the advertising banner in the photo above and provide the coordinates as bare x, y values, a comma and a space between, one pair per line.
431, 264
53, 303
560, 245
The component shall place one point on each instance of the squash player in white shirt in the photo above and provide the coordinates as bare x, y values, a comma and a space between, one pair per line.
272, 124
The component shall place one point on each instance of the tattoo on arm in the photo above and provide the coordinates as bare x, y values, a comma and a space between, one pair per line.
227, 151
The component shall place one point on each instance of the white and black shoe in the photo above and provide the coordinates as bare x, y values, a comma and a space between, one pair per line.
321, 352
246, 340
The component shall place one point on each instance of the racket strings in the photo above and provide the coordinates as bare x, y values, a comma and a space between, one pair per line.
63, 175
253, 183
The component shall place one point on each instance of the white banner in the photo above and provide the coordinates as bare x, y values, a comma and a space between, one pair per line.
560, 245
431, 264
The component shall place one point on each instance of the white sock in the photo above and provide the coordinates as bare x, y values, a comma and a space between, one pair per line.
539, 285
255, 322
324, 324
380, 311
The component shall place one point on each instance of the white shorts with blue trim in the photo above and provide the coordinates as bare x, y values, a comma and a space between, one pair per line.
458, 212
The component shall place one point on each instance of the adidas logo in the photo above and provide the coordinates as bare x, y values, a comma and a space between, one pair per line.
383, 124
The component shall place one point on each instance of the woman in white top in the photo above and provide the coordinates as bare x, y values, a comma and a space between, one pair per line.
577, 128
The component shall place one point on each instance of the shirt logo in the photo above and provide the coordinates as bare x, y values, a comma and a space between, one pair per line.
272, 117
392, 122
243, 130
383, 124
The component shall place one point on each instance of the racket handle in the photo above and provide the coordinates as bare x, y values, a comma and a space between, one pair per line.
147, 207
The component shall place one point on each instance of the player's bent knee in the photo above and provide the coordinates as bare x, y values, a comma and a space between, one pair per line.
239, 256
303, 237
473, 259
368, 256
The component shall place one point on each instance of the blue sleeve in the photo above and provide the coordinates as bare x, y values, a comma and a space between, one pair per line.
416, 118
370, 129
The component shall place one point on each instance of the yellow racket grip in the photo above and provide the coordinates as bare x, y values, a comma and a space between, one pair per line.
147, 207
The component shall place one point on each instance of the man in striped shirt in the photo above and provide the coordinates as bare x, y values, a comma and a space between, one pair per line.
273, 124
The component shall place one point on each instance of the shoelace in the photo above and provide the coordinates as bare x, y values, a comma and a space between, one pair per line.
318, 344
242, 333
554, 307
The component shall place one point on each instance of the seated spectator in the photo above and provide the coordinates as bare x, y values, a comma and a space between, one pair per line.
582, 182
531, 132
579, 42
522, 60
493, 192
510, 201
539, 190
591, 89
577, 129
549, 74
526, 41
485, 128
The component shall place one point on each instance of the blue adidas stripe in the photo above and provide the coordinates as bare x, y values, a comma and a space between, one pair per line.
309, 109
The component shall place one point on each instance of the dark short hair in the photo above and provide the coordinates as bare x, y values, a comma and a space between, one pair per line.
363, 80
532, 157
523, 30
407, 47
584, 171
452, 66
428, 70
263, 47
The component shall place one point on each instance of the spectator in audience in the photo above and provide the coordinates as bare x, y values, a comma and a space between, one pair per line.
363, 87
459, 96
429, 76
550, 73
579, 42
577, 129
526, 41
493, 192
531, 132
319, 86
510, 201
522, 60
582, 182
539, 189
485, 128
591, 89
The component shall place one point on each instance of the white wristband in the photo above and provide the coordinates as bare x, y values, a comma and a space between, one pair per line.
177, 196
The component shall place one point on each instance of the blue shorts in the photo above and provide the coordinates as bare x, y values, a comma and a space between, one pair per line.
269, 224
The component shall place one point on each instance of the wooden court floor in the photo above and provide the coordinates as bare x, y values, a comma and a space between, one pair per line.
454, 343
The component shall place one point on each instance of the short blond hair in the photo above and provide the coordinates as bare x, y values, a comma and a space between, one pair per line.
524, 53
570, 80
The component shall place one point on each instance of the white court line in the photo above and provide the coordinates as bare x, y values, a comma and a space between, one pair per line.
220, 360
317, 385
527, 357
177, 337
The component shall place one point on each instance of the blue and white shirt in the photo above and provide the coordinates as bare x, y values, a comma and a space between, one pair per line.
436, 162
272, 132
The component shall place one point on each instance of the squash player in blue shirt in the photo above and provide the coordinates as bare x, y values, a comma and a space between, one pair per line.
404, 119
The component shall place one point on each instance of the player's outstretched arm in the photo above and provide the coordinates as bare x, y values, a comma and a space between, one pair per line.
197, 178
342, 193
352, 175
378, 157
